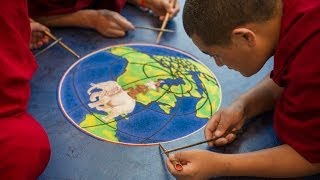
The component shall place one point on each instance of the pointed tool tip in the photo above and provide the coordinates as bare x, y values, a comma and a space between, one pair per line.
161, 147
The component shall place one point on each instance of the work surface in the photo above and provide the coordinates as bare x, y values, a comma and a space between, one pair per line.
76, 155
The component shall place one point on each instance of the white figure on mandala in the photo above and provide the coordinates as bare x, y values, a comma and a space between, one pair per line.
110, 98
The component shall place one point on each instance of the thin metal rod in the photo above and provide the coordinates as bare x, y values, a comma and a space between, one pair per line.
164, 150
48, 47
177, 165
165, 21
154, 29
60, 42
201, 142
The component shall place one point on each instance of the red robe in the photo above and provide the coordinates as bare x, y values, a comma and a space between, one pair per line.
56, 7
297, 69
24, 145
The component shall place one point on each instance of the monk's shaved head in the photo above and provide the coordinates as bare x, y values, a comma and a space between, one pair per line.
214, 20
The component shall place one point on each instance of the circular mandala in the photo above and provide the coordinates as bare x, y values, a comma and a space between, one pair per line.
139, 94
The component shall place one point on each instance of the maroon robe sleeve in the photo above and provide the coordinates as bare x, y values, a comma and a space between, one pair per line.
24, 145
17, 63
57, 7
297, 70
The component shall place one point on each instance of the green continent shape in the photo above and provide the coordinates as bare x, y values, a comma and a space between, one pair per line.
139, 66
143, 68
211, 97
93, 124
165, 108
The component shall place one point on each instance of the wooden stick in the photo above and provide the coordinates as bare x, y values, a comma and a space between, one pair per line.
154, 29
165, 21
201, 142
177, 165
62, 44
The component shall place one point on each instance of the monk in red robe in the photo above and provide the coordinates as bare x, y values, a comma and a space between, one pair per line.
103, 16
243, 35
24, 145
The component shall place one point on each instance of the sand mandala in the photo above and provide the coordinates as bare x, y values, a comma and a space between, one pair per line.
139, 94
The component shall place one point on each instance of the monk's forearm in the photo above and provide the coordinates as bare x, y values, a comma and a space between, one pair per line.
282, 161
82, 18
261, 98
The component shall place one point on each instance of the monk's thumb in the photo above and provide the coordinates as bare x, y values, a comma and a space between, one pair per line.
179, 156
222, 128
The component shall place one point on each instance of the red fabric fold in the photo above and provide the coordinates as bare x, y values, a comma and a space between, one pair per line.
24, 145
57, 7
297, 69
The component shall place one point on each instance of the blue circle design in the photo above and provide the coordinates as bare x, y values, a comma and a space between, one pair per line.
186, 98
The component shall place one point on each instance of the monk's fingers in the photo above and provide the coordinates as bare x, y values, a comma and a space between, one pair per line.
161, 18
123, 22
37, 34
230, 137
45, 39
175, 10
211, 128
225, 140
110, 29
114, 33
38, 27
225, 123
39, 44
221, 142
108, 16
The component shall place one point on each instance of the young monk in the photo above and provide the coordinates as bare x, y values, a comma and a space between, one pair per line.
243, 35
24, 145
103, 16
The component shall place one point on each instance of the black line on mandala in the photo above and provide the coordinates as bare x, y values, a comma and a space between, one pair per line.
92, 113
161, 128
215, 82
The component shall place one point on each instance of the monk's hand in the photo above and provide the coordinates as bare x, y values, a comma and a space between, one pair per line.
161, 7
38, 37
224, 122
197, 164
111, 24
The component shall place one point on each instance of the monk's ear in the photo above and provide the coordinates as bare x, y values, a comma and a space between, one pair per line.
244, 35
